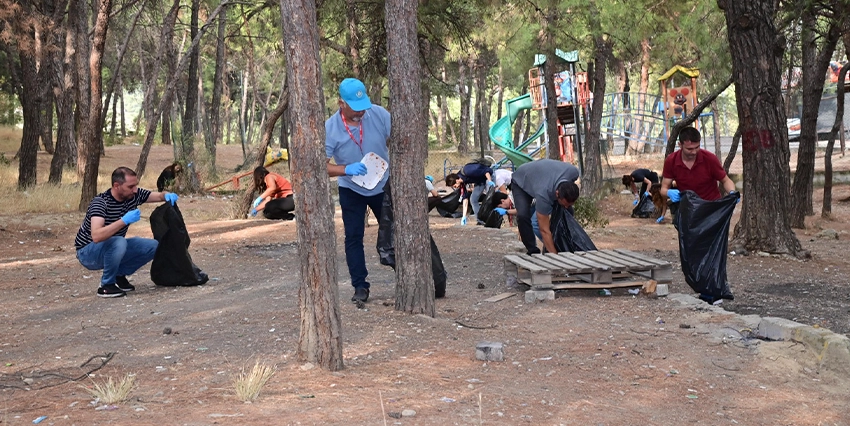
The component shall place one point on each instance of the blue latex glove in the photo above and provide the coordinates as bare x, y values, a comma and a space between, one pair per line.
132, 216
463, 221
674, 195
659, 220
737, 200
647, 194
257, 202
490, 183
634, 203
171, 198
254, 212
500, 211
355, 169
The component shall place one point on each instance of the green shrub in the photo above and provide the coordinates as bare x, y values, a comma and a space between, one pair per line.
587, 213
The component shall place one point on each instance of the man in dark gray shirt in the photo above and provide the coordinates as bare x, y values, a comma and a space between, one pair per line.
545, 182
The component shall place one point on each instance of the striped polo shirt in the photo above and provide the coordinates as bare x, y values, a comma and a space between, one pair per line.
111, 210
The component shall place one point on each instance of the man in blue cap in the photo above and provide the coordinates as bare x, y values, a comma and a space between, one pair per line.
356, 129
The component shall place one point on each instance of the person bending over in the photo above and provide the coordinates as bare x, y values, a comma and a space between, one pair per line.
276, 199
101, 241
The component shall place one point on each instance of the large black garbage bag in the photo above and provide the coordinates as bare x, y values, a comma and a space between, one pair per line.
487, 212
172, 265
703, 240
644, 208
449, 205
568, 233
386, 248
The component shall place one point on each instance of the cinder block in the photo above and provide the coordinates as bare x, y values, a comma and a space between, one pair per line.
490, 351
532, 296
662, 290
775, 328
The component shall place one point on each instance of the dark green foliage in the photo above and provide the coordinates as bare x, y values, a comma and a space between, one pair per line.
587, 213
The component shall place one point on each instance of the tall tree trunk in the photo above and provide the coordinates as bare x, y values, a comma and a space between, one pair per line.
814, 64
320, 339
114, 124
188, 135
592, 173
79, 9
218, 78
756, 67
92, 130
63, 72
352, 21
551, 111
463, 92
412, 241
29, 97
826, 210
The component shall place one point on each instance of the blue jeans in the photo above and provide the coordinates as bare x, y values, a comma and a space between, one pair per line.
473, 199
117, 256
353, 220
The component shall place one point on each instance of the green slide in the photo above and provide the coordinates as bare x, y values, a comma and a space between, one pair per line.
501, 133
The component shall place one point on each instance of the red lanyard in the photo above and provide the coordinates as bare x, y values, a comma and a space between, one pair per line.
350, 135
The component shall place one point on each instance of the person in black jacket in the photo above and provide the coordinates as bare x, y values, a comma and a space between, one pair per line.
477, 174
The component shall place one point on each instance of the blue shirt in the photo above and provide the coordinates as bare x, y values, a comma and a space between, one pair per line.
340, 146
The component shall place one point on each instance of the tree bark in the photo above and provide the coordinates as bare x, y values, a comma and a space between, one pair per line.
63, 77
218, 77
79, 10
116, 71
320, 339
826, 210
756, 67
187, 136
814, 64
463, 92
92, 130
29, 97
408, 152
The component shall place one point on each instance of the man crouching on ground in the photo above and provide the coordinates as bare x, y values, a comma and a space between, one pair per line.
101, 242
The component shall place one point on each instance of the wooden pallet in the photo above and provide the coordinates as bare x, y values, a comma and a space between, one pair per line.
588, 269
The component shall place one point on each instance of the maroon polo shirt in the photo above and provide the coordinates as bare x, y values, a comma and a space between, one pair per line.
702, 178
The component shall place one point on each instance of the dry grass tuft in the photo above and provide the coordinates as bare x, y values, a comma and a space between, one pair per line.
112, 391
10, 140
249, 384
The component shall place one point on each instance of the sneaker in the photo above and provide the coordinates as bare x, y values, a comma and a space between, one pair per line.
110, 290
361, 294
122, 283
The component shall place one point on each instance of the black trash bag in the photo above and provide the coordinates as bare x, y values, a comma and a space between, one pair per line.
449, 205
644, 208
172, 265
703, 240
487, 212
568, 233
386, 248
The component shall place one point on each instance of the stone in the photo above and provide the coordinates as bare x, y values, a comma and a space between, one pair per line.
662, 290
408, 413
490, 351
532, 296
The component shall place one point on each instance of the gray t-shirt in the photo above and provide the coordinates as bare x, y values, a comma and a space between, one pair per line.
540, 178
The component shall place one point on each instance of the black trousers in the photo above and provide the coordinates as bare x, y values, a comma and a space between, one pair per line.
280, 208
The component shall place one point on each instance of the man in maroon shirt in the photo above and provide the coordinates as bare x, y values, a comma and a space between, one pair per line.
695, 169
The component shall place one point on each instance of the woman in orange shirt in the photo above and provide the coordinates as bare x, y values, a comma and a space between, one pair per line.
276, 198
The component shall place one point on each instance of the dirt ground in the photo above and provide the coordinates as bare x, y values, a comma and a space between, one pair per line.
580, 359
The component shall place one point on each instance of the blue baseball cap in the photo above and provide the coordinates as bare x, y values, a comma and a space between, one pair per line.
429, 178
353, 92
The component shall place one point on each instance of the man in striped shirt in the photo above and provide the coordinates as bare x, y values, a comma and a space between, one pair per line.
101, 242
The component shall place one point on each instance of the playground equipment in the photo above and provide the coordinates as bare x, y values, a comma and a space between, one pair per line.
644, 118
272, 156
569, 87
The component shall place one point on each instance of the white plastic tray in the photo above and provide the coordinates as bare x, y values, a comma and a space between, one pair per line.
376, 167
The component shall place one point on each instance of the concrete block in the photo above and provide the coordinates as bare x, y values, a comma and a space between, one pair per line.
836, 354
775, 328
662, 290
490, 351
532, 296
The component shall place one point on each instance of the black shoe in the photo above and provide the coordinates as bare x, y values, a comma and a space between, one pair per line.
361, 294
122, 283
110, 290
